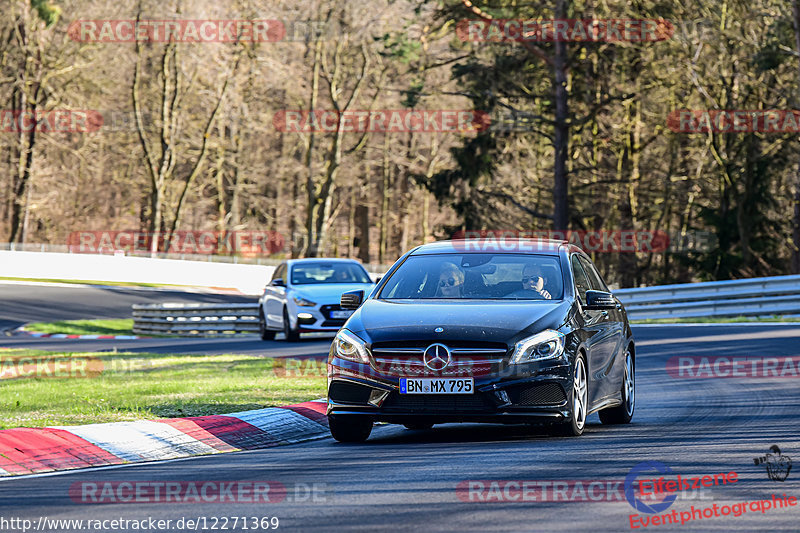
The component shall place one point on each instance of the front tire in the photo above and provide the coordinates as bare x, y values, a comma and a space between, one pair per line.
579, 400
623, 413
266, 334
292, 335
353, 428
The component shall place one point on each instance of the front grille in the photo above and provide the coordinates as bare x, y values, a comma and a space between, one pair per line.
346, 392
436, 403
466, 359
333, 323
499, 346
543, 394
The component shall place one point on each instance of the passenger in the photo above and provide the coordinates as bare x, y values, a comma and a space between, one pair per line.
532, 284
451, 282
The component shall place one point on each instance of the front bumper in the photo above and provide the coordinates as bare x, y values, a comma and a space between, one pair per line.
527, 393
318, 318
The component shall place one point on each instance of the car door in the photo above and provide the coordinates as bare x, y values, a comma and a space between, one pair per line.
275, 298
601, 339
616, 322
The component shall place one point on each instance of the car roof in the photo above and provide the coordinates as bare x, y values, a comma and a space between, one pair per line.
492, 245
322, 260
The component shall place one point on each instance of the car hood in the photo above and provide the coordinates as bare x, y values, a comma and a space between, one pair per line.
328, 293
490, 321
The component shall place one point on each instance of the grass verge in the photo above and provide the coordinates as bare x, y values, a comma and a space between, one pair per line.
128, 386
123, 326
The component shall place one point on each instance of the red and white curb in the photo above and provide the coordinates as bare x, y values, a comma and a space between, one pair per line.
70, 336
38, 450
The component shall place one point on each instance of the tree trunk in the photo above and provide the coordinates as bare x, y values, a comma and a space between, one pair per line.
362, 215
384, 220
796, 217
311, 195
561, 136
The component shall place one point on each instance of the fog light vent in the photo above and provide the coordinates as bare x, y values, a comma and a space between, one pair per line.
346, 392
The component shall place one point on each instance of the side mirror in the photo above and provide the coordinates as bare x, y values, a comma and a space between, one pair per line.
278, 282
351, 300
598, 300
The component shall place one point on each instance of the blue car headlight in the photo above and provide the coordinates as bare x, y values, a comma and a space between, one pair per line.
548, 344
351, 347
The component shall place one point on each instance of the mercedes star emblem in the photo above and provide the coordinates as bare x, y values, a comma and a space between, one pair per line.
436, 357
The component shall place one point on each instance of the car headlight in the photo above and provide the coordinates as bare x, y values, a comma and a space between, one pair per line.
349, 346
547, 344
302, 302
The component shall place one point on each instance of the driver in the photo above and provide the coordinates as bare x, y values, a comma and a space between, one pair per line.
532, 281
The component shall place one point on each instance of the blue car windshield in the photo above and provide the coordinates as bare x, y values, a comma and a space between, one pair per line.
476, 277
321, 272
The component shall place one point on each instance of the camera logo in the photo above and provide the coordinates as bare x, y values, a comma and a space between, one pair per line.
778, 465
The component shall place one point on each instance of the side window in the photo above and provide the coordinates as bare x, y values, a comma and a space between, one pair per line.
280, 273
581, 281
595, 281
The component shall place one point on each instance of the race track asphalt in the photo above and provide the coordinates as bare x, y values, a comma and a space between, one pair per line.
20, 304
403, 480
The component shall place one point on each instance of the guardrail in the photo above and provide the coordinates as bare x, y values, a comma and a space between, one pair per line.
202, 258
747, 297
779, 295
192, 320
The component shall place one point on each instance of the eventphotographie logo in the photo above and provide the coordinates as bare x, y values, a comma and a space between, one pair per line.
634, 497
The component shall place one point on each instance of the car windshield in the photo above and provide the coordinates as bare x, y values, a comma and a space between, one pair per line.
476, 276
310, 273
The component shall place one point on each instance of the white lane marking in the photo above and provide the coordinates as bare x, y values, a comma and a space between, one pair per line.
142, 440
718, 324
779, 334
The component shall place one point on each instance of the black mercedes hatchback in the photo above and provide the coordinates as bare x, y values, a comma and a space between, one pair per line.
521, 331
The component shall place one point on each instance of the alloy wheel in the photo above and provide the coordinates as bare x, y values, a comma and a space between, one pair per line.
579, 394
630, 383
